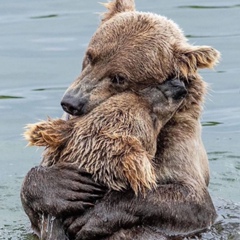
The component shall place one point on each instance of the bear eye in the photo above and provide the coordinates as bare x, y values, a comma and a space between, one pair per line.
89, 58
118, 79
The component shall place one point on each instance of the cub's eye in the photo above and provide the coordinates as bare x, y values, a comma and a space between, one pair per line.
118, 79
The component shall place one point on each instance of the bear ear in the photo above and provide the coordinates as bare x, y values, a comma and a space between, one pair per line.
193, 57
117, 6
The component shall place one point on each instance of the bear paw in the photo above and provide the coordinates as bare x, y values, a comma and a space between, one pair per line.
45, 133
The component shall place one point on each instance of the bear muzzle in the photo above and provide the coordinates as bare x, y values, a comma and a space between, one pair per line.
73, 105
174, 88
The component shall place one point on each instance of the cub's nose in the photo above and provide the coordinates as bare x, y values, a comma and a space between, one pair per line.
179, 90
174, 88
73, 105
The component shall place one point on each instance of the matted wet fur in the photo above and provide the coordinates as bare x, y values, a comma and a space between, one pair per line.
116, 141
131, 49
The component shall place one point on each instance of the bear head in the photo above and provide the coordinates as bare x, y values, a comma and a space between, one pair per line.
131, 50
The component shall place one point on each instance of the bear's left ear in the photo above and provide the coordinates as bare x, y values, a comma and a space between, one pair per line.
190, 58
117, 6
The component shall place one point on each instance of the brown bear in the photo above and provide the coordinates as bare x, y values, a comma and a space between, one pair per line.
129, 50
116, 141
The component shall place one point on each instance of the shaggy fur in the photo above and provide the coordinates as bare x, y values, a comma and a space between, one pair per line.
129, 50
116, 141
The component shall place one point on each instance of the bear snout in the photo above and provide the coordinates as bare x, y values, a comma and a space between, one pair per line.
73, 105
174, 89
179, 92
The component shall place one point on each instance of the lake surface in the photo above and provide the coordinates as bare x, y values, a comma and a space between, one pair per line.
41, 49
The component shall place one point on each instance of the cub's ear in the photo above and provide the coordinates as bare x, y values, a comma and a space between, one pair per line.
117, 6
190, 58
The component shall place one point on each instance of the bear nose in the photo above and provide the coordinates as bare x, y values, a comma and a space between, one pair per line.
73, 105
179, 90
173, 88
179, 93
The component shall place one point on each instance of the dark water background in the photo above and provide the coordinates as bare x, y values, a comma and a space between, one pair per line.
41, 48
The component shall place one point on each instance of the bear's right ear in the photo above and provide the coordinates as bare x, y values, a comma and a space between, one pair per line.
190, 58
117, 6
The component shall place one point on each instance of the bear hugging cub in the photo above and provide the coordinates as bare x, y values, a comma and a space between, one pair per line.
131, 50
117, 140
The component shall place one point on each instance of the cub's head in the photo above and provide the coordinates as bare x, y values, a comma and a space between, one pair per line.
129, 51
163, 100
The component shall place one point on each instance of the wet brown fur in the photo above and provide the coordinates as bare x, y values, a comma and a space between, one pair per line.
115, 142
146, 49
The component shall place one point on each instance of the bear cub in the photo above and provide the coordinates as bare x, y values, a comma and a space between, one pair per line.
117, 140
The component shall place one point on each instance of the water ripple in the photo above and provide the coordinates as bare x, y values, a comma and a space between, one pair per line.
209, 7
45, 16
213, 36
210, 123
49, 89
9, 97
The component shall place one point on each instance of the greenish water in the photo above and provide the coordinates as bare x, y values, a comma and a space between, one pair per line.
41, 48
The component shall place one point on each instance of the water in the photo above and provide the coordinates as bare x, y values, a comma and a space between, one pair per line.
41, 49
